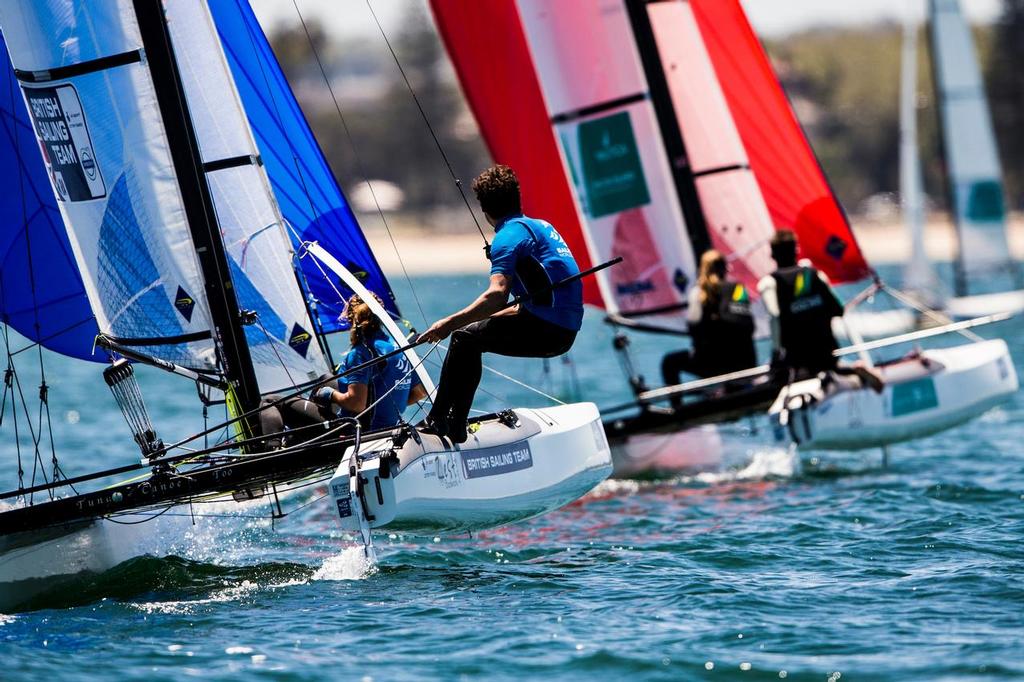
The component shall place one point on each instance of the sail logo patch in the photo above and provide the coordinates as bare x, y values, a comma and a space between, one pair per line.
299, 340
502, 459
680, 280
184, 304
613, 176
835, 247
63, 134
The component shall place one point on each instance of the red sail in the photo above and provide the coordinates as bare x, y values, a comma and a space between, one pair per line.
792, 182
489, 50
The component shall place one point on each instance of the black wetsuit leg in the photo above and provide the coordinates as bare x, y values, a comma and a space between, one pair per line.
293, 413
522, 336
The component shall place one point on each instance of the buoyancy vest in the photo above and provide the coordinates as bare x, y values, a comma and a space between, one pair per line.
806, 308
723, 340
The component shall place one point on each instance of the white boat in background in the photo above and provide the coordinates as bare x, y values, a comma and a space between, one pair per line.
925, 393
975, 177
516, 465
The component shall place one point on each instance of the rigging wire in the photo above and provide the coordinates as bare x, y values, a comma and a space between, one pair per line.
44, 406
360, 168
426, 120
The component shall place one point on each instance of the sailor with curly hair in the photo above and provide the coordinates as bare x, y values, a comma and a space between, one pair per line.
527, 257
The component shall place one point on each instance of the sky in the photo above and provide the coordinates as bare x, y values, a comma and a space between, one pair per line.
770, 17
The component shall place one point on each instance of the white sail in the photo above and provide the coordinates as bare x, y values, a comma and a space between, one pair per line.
919, 275
94, 108
975, 176
596, 95
735, 211
283, 348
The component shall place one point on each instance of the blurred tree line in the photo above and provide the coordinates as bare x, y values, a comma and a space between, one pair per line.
844, 85
368, 122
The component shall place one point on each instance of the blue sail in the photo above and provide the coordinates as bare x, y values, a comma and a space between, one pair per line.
42, 296
303, 183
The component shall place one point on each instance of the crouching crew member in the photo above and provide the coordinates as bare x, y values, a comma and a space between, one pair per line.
720, 323
378, 394
801, 304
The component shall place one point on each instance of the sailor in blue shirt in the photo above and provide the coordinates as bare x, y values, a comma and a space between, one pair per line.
527, 256
380, 392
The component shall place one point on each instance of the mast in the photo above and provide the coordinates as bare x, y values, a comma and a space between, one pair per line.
671, 135
919, 276
959, 268
228, 334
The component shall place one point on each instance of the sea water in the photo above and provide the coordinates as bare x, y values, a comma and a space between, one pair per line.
770, 566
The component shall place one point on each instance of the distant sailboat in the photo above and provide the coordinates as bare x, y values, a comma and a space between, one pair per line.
974, 173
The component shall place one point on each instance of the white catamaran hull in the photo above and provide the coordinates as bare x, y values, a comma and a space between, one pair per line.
650, 454
979, 305
505, 472
932, 392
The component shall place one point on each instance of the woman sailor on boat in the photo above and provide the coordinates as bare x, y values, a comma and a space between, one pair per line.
377, 394
381, 392
720, 323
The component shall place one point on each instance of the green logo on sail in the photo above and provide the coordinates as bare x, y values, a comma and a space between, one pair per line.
612, 174
985, 201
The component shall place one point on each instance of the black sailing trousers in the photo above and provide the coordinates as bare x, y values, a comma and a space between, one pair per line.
523, 335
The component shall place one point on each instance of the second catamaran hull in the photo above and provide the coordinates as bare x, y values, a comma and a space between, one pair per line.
647, 455
508, 471
935, 391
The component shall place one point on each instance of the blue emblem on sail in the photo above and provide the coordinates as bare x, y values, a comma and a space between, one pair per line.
184, 303
299, 340
835, 247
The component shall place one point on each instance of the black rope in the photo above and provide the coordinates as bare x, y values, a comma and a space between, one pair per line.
426, 120
44, 407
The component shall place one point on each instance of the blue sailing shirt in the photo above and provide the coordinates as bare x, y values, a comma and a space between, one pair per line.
533, 256
380, 378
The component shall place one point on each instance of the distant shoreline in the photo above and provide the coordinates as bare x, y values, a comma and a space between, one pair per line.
429, 252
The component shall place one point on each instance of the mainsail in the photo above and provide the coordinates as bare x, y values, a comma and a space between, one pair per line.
975, 176
794, 187
94, 110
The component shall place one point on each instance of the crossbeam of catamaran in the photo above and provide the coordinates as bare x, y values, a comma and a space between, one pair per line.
665, 392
